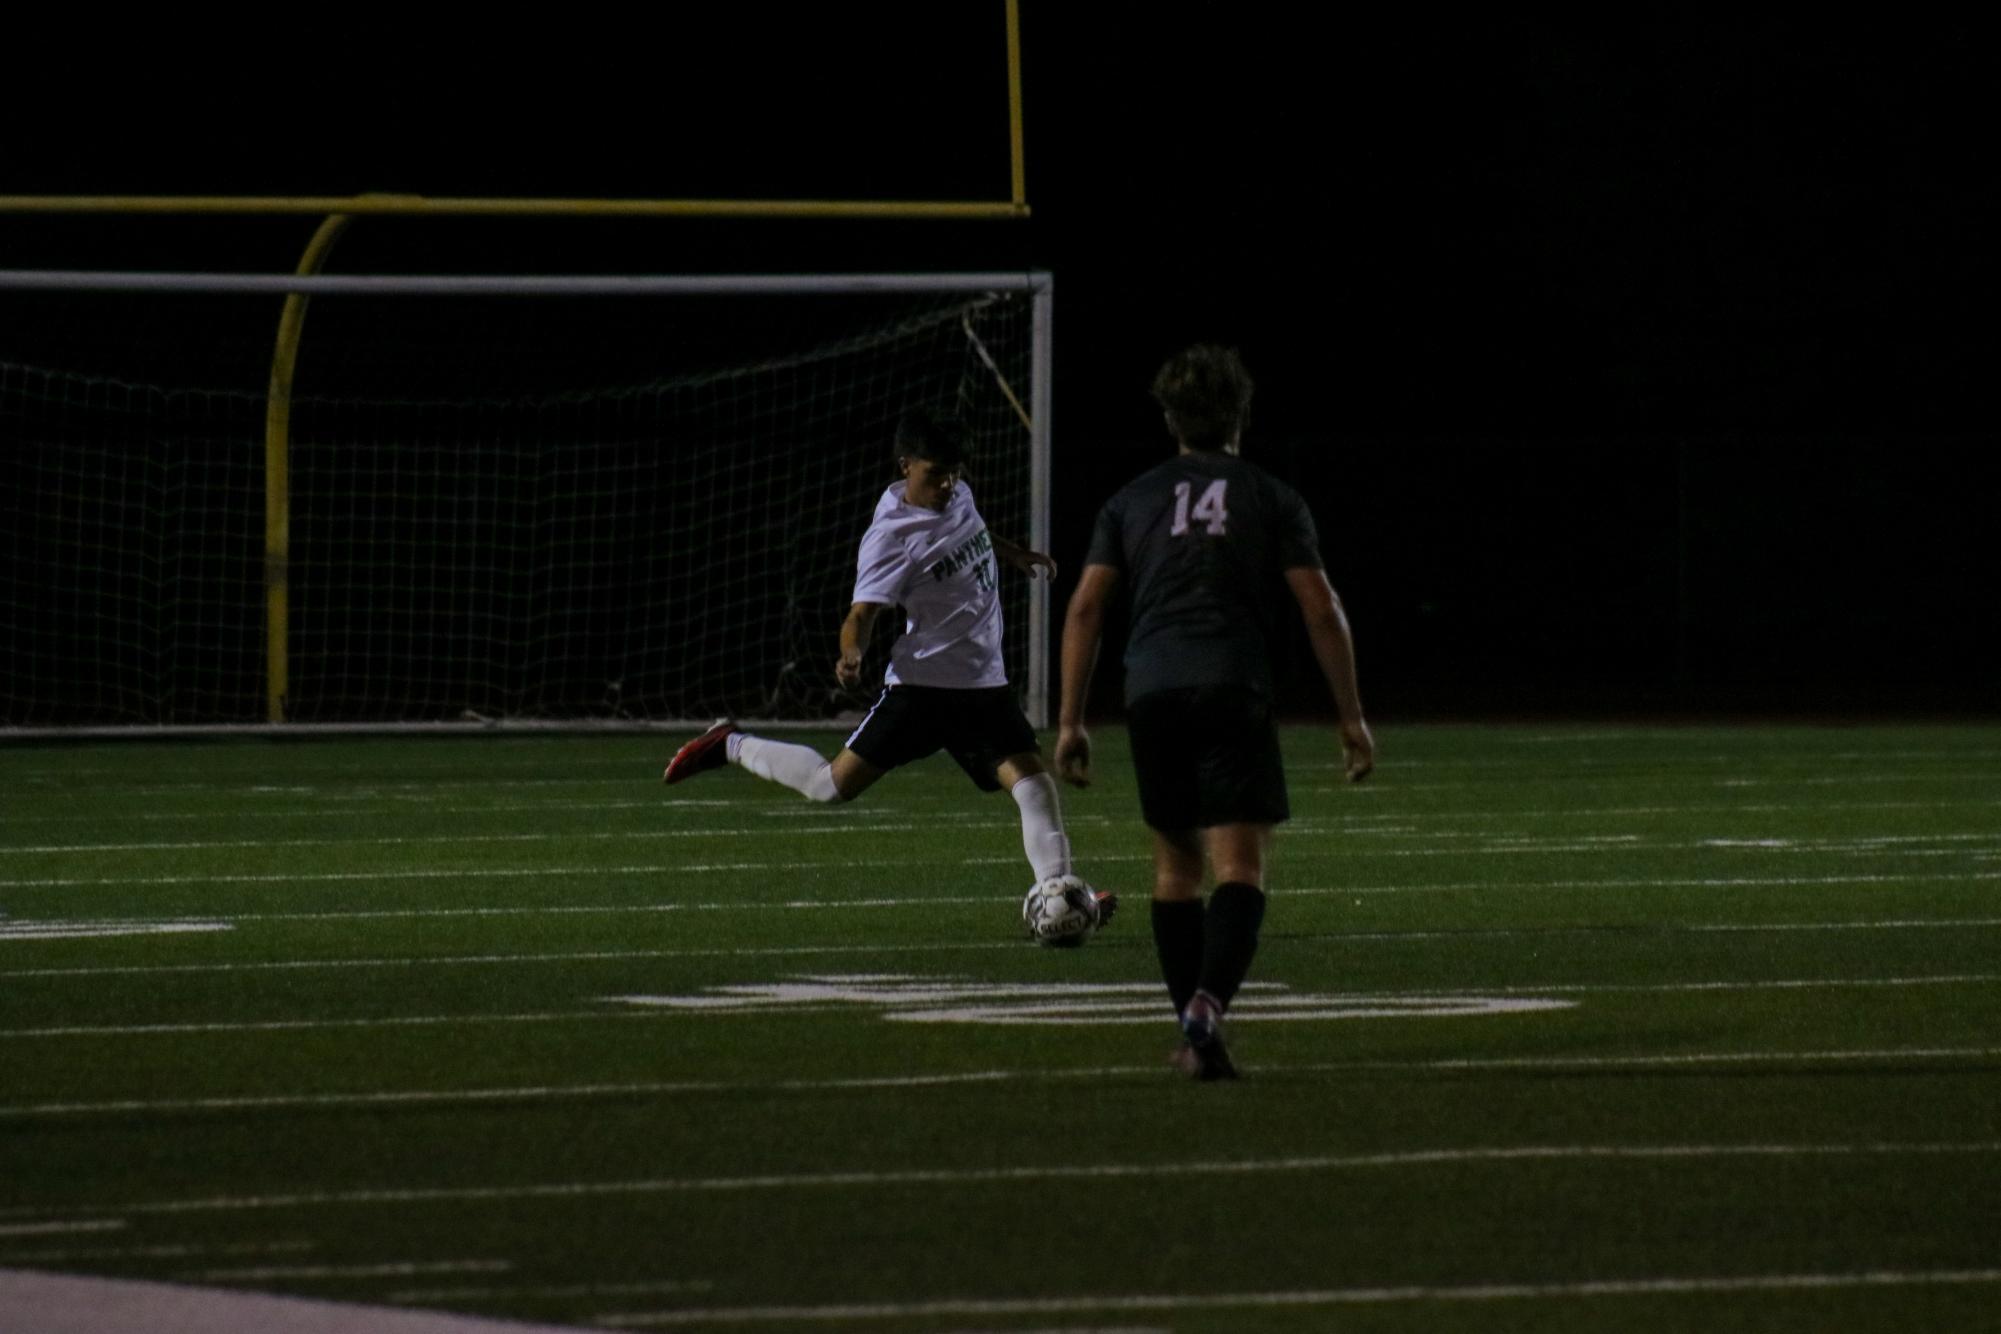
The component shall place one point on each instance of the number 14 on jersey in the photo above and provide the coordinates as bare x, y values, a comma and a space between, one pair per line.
1210, 509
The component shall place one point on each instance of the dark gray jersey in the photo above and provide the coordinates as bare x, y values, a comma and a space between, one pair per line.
1202, 541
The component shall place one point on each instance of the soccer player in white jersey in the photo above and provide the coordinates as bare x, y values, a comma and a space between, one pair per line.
928, 551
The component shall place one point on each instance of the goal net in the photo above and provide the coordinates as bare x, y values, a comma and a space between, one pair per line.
630, 500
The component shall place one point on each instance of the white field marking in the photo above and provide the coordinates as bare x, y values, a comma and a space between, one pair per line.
1685, 1059
586, 956
935, 1000
1302, 891
428, 809
801, 951
1379, 788
499, 1292
684, 1088
164, 1252
1850, 843
1658, 882
1576, 812
298, 1025
1385, 782
818, 864
320, 814
540, 1093
11, 929
641, 1011
1479, 1155
467, 873
458, 840
10, 1230
1512, 843
399, 1269
1301, 1298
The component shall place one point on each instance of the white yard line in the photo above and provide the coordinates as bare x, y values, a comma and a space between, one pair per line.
161, 1252
395, 1269
1302, 1298
581, 956
597, 1015
1069, 1172
799, 951
11, 1231
932, 900
330, 809
502, 1292
459, 840
1373, 828
648, 1089
1497, 847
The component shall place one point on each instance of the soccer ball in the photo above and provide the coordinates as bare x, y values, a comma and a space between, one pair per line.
1060, 911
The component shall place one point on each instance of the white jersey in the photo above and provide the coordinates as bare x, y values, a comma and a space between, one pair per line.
938, 565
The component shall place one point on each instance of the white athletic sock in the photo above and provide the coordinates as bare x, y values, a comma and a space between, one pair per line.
1042, 836
800, 768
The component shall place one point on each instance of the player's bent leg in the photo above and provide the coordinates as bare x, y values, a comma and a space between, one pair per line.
849, 775
800, 768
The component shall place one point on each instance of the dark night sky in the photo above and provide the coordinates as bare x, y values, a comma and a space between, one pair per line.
1627, 366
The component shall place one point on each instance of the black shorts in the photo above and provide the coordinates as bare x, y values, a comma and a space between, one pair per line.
979, 728
1207, 756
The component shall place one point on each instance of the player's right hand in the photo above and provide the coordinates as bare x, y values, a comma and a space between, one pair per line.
1073, 756
848, 670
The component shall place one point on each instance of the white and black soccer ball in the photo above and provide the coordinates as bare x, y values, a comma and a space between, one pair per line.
1060, 911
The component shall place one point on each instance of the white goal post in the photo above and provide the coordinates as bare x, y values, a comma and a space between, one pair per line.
577, 501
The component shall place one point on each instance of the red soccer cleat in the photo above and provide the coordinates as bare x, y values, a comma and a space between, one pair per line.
710, 750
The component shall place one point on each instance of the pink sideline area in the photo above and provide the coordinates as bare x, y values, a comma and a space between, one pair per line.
35, 1303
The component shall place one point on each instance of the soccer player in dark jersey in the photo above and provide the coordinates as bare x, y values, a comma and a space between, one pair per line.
1208, 544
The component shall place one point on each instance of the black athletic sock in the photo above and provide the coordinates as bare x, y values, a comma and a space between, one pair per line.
1177, 939
1230, 942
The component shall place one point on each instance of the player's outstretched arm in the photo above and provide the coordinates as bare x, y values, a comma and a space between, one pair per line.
1083, 630
1334, 648
854, 639
1028, 562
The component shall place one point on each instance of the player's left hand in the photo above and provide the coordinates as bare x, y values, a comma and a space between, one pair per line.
1073, 756
1359, 747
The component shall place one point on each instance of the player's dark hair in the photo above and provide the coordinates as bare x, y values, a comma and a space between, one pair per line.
924, 433
1206, 393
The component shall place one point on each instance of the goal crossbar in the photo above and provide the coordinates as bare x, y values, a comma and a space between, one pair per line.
62, 280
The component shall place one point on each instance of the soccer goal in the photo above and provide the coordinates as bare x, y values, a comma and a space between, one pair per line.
532, 501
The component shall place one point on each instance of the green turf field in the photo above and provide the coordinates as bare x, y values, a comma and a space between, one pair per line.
1554, 1028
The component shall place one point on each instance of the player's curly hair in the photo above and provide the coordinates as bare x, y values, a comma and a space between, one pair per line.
926, 433
1206, 393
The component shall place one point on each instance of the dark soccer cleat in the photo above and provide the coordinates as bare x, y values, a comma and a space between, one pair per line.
710, 750
1108, 903
1204, 1055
